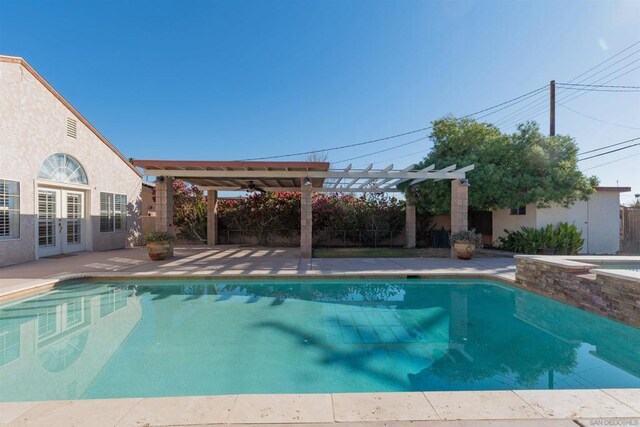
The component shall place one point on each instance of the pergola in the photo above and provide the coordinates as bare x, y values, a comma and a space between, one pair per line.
305, 177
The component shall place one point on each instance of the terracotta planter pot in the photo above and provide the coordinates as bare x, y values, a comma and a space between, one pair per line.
158, 250
464, 249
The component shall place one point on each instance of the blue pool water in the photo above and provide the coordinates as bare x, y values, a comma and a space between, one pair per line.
619, 266
170, 338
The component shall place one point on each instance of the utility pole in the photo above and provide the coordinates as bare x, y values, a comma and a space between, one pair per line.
552, 109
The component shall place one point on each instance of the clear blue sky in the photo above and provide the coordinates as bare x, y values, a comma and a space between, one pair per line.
234, 80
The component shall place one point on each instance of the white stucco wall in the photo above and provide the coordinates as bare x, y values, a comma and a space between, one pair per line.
33, 127
598, 219
502, 220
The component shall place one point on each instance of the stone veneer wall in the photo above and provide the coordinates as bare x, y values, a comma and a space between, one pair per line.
613, 296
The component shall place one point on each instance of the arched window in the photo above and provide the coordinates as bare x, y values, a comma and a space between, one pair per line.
62, 168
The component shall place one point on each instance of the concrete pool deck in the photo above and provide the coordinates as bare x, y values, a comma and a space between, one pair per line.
231, 261
476, 408
491, 408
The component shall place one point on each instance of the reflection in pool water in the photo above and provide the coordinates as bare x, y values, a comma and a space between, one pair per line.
150, 338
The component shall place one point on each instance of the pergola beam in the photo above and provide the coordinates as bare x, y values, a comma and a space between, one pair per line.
376, 189
347, 169
370, 180
358, 176
441, 174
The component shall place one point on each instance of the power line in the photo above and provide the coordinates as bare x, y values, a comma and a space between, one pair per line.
537, 107
505, 104
606, 60
572, 97
602, 90
342, 146
608, 146
607, 67
600, 86
568, 98
613, 161
512, 100
396, 158
525, 96
611, 151
525, 109
597, 119
382, 151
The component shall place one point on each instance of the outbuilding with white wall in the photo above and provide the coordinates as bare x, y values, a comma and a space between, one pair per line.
598, 218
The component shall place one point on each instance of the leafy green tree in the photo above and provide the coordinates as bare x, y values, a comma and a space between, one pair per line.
510, 170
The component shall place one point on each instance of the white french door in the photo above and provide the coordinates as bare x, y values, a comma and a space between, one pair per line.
61, 221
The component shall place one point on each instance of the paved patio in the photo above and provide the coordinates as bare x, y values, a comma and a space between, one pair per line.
236, 260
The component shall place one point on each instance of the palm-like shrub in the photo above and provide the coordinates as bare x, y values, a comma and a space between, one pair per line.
563, 238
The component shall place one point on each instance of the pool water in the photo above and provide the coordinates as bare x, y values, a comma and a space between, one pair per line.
172, 338
619, 266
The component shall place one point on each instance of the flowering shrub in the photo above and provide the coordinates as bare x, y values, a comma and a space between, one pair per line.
190, 211
262, 214
279, 212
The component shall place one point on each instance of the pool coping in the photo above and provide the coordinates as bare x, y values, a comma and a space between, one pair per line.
336, 408
326, 409
589, 264
49, 283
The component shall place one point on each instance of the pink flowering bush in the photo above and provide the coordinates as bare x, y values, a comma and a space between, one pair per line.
190, 211
279, 213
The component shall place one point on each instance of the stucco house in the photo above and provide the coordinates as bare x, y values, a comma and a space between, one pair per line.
63, 186
598, 218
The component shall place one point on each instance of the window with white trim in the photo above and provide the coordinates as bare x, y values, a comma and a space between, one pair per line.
113, 212
522, 210
9, 209
62, 168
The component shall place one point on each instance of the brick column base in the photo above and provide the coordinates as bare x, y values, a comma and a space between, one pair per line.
164, 207
306, 222
410, 224
212, 217
459, 208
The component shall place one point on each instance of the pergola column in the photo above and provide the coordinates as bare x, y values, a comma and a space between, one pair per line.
164, 206
410, 224
212, 217
306, 221
459, 206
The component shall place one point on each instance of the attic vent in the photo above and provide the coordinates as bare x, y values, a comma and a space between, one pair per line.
72, 128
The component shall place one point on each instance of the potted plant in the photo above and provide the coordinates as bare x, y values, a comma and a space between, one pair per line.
465, 243
158, 244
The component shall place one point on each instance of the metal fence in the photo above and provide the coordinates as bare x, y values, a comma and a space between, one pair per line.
359, 238
321, 238
271, 237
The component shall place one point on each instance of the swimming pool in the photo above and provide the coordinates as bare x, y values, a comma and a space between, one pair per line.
196, 337
620, 266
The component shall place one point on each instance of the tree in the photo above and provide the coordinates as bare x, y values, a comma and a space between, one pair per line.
317, 156
190, 211
510, 170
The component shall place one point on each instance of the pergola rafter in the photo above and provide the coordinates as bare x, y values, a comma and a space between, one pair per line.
215, 176
303, 177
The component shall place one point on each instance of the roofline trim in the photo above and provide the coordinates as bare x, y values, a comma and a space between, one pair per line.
34, 73
162, 164
613, 189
